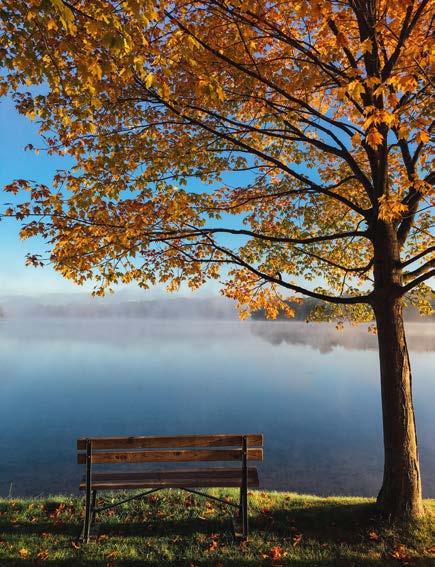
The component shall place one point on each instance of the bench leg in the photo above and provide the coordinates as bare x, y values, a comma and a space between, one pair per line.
244, 489
244, 512
89, 492
93, 505
88, 518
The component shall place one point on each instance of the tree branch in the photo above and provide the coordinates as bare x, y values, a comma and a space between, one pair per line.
417, 281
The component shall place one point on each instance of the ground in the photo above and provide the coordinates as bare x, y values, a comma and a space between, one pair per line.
174, 528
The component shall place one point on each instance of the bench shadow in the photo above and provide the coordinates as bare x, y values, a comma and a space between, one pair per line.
337, 523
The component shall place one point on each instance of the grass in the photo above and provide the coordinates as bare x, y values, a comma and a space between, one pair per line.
174, 528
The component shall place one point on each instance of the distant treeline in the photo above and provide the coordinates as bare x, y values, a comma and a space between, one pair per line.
170, 308
183, 308
303, 310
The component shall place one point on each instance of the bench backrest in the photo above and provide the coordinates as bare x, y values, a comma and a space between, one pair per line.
180, 448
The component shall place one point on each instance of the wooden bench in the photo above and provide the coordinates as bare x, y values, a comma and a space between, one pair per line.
181, 448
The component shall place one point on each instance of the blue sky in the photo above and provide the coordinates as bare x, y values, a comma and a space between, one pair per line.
15, 277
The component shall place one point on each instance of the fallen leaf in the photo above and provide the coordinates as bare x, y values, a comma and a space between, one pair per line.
42, 555
400, 553
213, 545
297, 538
276, 553
209, 508
373, 536
75, 545
431, 549
23, 552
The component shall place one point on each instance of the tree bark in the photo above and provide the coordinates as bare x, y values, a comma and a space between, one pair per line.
400, 497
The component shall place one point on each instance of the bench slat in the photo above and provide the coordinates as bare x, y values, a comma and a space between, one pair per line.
171, 456
170, 473
167, 442
168, 479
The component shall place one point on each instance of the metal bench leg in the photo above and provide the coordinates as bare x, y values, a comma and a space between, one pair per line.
93, 505
244, 489
244, 513
88, 507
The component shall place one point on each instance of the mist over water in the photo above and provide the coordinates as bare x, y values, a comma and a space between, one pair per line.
312, 391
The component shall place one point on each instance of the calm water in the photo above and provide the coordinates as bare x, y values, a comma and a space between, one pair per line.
313, 392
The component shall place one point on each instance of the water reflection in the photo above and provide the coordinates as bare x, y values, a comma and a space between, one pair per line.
325, 337
314, 395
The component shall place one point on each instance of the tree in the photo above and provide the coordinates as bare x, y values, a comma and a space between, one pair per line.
309, 121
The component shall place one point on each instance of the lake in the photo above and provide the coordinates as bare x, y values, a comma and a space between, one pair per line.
314, 393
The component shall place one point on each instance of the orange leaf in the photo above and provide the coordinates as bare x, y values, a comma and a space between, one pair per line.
400, 553
422, 137
373, 536
297, 538
374, 138
276, 553
23, 552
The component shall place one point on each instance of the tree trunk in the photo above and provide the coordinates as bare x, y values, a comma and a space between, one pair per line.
400, 497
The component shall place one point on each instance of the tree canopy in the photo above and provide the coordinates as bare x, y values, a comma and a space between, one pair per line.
306, 123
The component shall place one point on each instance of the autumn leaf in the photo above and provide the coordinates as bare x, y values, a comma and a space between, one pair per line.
66, 16
367, 46
42, 555
373, 536
374, 138
23, 553
297, 538
400, 553
422, 137
276, 553
391, 207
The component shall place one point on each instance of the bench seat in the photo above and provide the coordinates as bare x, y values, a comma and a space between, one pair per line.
178, 478
224, 449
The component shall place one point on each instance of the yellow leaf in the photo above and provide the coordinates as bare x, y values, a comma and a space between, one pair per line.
422, 137
372, 81
374, 138
403, 132
23, 553
356, 139
367, 46
150, 80
51, 25
391, 207
66, 16
165, 91
355, 88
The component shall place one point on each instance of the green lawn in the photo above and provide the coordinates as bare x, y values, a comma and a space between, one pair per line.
174, 528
